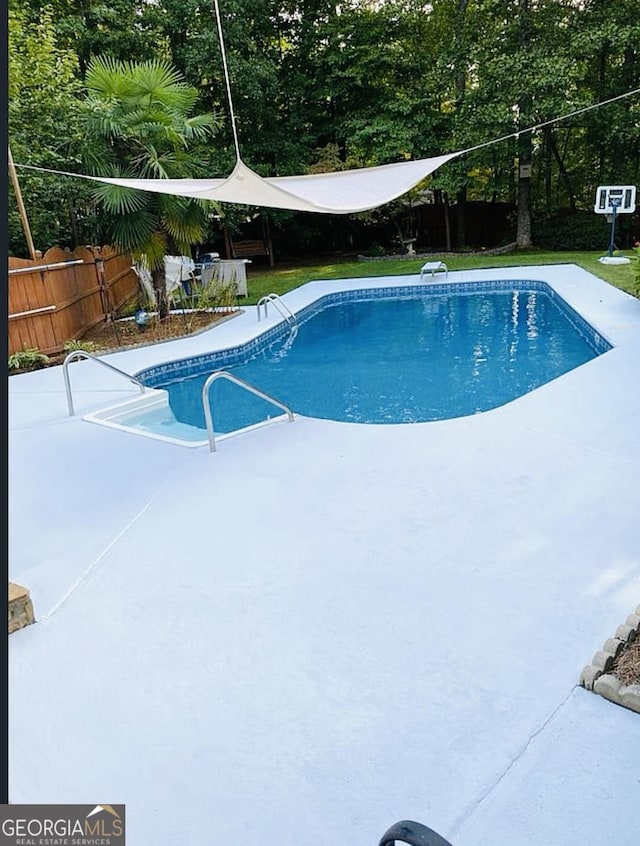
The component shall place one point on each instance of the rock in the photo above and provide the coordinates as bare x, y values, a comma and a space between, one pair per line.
20, 608
630, 697
588, 676
602, 661
613, 646
608, 686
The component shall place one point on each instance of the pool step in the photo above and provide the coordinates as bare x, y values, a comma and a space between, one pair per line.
20, 608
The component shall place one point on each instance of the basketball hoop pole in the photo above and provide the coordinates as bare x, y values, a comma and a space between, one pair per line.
615, 202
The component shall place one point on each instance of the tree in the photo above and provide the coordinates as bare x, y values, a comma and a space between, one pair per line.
44, 125
117, 28
139, 124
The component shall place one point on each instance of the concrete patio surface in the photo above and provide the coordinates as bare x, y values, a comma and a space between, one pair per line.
324, 628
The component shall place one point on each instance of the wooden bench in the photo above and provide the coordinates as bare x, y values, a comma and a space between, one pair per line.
246, 249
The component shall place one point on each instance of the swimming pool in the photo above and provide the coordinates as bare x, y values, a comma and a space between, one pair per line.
402, 354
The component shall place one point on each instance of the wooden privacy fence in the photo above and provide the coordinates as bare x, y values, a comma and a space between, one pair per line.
59, 297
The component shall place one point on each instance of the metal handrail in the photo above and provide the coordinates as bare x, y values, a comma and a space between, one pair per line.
222, 374
287, 314
42, 310
41, 268
414, 833
84, 354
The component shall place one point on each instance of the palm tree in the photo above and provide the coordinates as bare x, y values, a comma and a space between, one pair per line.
138, 124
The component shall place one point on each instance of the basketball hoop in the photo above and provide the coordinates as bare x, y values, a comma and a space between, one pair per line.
612, 200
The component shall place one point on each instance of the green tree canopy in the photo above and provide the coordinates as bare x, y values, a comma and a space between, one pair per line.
317, 84
44, 127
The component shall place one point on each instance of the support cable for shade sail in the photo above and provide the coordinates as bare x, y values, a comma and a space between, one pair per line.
480, 146
514, 134
226, 79
538, 126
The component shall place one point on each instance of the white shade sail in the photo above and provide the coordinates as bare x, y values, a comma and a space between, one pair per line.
339, 192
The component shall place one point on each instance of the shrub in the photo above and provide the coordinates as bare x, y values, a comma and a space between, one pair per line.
374, 251
580, 230
28, 358
74, 344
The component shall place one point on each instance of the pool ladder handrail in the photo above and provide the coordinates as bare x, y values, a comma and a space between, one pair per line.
83, 354
222, 374
284, 310
413, 833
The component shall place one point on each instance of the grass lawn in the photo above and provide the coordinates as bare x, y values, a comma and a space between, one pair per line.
282, 278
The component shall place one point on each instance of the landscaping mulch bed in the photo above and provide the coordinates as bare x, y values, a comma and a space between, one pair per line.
109, 336
627, 665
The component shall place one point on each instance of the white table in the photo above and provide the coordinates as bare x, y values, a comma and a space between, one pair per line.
225, 272
432, 267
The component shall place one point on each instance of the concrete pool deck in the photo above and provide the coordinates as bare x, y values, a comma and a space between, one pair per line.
324, 628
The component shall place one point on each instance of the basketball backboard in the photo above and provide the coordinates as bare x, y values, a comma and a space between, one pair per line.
615, 199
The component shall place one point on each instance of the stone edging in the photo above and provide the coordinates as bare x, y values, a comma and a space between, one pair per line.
20, 608
493, 251
596, 676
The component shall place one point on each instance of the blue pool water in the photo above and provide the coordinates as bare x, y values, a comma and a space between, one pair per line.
404, 359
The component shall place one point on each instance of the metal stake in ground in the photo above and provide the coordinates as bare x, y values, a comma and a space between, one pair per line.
105, 295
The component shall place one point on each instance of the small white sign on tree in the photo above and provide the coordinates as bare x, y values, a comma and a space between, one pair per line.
613, 200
